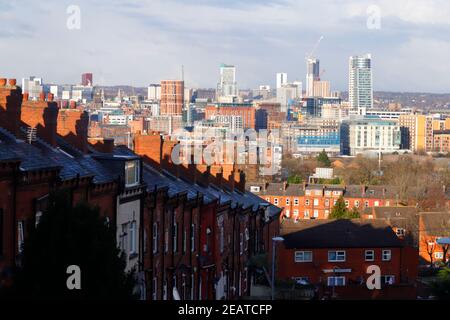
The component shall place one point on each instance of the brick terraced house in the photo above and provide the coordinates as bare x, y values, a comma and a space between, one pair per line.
190, 230
333, 256
316, 201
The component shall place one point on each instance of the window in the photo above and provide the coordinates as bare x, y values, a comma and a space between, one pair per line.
301, 280
336, 256
369, 255
357, 203
307, 202
327, 202
192, 237
296, 213
288, 201
175, 236
154, 288
316, 213
131, 173
306, 214
132, 235
336, 281
37, 218
366, 204
439, 255
275, 201
387, 280
20, 235
400, 232
287, 213
303, 256
123, 237
247, 237
316, 202
346, 203
241, 243
295, 201
165, 290
386, 255
155, 237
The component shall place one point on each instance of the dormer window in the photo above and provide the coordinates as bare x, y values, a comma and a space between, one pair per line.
131, 173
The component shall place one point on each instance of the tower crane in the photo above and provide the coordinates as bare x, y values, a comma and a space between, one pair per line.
310, 55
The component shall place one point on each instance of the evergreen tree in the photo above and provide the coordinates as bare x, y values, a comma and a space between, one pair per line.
339, 210
67, 236
323, 159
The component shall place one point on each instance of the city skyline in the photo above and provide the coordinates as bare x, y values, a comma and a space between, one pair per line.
137, 43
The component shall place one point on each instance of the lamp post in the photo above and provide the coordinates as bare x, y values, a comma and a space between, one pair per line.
274, 241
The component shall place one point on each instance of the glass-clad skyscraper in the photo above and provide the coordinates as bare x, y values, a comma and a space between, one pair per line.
360, 82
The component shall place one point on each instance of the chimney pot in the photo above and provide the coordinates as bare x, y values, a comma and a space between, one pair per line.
12, 82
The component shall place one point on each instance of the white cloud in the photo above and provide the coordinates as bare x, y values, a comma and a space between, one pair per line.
139, 42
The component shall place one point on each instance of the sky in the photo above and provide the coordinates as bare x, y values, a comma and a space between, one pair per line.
138, 42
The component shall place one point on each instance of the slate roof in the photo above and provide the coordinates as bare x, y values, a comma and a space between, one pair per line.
40, 155
436, 223
155, 179
351, 191
355, 233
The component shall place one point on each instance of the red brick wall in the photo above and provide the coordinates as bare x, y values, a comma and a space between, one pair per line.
73, 127
41, 115
10, 101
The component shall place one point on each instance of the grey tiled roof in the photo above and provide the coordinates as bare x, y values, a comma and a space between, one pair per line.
155, 179
356, 233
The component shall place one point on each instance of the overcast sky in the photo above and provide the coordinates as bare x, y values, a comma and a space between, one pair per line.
141, 42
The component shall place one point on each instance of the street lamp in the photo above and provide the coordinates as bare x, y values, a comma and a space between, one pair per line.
274, 241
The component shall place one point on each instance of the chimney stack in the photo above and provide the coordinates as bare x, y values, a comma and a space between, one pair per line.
10, 103
42, 115
73, 127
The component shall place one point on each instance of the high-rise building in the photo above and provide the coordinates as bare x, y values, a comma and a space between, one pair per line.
227, 86
321, 89
86, 79
154, 92
33, 86
370, 136
172, 97
312, 74
360, 86
244, 110
281, 79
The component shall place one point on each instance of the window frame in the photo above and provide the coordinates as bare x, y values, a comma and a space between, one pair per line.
383, 255
373, 255
337, 252
302, 253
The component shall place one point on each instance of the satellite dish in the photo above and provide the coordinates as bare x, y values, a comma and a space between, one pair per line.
443, 241
176, 295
